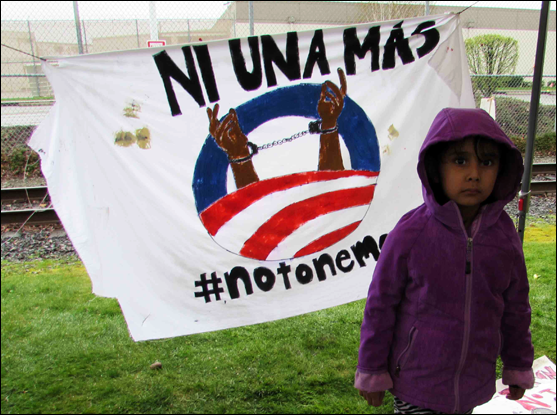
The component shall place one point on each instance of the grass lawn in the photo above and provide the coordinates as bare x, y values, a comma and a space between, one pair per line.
526, 89
65, 350
27, 99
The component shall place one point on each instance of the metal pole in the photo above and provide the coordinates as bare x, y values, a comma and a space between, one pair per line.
427, 8
78, 28
524, 202
34, 63
250, 14
85, 36
137, 32
153, 21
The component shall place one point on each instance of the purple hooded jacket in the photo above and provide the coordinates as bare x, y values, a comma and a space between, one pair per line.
445, 301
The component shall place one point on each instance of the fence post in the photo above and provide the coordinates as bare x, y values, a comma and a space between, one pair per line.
153, 21
524, 202
85, 36
235, 8
78, 28
250, 15
34, 64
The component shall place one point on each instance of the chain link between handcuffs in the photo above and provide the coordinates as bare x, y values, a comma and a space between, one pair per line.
314, 128
284, 140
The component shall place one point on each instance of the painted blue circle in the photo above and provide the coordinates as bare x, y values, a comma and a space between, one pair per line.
357, 131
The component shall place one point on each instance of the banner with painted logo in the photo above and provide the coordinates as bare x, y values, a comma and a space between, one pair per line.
241, 181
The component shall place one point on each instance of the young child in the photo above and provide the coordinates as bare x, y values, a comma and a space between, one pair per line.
450, 291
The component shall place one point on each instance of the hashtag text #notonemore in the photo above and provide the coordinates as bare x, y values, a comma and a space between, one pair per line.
265, 279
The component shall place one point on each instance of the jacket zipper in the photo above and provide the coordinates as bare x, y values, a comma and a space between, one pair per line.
468, 299
406, 352
466, 341
469, 246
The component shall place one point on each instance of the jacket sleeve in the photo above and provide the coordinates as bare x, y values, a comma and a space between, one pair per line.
385, 293
517, 352
373, 383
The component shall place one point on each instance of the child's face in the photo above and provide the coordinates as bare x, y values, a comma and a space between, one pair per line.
465, 178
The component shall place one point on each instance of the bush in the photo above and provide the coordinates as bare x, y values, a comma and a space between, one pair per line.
543, 145
513, 115
485, 85
511, 81
491, 55
19, 160
15, 137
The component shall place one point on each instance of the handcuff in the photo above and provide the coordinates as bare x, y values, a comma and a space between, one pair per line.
314, 127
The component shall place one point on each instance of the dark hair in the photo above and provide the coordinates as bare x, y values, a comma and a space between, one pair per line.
434, 157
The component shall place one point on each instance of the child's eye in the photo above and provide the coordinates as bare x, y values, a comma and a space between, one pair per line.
461, 161
487, 163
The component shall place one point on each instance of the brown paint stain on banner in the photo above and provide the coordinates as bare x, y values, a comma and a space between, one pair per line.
124, 138
142, 138
132, 109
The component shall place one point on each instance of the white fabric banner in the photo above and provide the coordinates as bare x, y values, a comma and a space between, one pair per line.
538, 400
168, 169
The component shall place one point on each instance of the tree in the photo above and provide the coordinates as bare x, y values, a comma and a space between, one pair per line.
491, 55
372, 11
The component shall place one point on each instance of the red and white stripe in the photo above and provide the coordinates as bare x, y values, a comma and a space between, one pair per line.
291, 216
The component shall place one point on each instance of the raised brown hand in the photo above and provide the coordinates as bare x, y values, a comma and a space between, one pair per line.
330, 103
229, 137
329, 108
228, 134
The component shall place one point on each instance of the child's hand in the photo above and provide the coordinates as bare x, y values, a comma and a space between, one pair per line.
515, 393
373, 398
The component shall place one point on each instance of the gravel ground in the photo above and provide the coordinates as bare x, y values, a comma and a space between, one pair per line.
44, 242
541, 208
29, 182
546, 159
35, 242
40, 181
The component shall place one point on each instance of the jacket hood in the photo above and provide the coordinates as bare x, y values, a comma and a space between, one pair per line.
454, 124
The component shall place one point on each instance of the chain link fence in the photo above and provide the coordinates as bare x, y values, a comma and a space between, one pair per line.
70, 28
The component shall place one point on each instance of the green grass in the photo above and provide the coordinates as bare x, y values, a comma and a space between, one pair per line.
26, 99
539, 252
526, 88
65, 350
